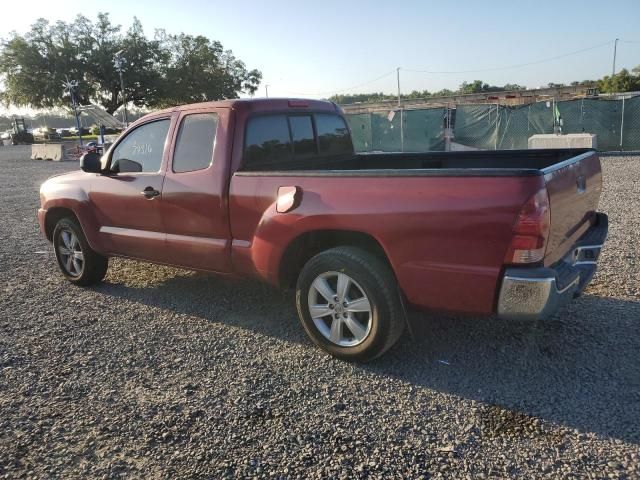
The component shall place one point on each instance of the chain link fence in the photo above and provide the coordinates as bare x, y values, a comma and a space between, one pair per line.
616, 122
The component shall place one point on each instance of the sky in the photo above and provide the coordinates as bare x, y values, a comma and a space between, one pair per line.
315, 49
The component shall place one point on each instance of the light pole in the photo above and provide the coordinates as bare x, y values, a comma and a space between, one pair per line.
118, 62
266, 90
70, 86
398, 75
615, 50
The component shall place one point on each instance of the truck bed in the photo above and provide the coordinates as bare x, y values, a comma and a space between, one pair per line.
471, 199
480, 163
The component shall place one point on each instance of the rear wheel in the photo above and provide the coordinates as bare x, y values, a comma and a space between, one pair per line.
348, 303
77, 261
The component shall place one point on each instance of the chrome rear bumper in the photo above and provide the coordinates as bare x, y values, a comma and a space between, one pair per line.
537, 293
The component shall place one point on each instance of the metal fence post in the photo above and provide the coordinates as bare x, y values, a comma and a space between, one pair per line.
622, 125
401, 129
495, 142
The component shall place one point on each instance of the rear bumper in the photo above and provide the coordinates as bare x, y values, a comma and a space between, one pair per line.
537, 293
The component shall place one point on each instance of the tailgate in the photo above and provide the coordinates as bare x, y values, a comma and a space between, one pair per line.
574, 188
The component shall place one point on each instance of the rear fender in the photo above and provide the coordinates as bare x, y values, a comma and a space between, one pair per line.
276, 232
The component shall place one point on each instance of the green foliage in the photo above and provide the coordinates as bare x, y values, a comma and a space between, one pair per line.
200, 70
623, 81
513, 87
378, 97
478, 86
584, 83
165, 70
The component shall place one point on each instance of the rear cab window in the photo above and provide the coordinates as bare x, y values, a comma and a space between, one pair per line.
303, 139
295, 141
195, 141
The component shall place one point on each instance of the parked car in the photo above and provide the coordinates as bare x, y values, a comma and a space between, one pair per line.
273, 189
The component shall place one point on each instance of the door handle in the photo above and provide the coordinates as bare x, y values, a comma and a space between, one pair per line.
150, 192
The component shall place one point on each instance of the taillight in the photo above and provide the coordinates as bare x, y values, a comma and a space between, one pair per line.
531, 230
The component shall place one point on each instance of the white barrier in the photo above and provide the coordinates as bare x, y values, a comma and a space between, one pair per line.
571, 140
49, 151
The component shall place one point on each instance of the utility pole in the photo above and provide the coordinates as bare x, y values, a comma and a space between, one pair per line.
266, 91
615, 50
118, 61
398, 75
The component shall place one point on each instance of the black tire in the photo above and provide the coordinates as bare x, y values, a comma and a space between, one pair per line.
376, 280
93, 267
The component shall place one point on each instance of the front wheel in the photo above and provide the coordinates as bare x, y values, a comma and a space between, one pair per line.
79, 263
349, 305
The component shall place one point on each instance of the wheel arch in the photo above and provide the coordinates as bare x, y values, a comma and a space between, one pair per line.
53, 216
306, 245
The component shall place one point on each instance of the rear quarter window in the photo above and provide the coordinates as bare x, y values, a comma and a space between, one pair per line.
333, 135
267, 142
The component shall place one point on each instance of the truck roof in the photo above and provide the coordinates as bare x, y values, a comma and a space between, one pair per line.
258, 105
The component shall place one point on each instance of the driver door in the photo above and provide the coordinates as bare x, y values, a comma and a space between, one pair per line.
127, 201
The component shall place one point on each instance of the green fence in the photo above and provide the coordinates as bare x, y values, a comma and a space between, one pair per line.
491, 126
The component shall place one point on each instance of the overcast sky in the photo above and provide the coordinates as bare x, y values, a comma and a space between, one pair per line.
323, 47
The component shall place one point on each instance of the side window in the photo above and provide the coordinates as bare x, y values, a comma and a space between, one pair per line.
333, 135
304, 143
267, 142
142, 149
194, 146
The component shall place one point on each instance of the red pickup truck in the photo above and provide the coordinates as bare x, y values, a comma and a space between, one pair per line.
273, 189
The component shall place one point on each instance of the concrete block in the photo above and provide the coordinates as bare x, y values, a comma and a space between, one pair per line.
571, 140
49, 151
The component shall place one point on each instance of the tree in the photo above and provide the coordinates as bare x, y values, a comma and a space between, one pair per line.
473, 87
162, 71
623, 81
34, 66
478, 86
143, 66
200, 70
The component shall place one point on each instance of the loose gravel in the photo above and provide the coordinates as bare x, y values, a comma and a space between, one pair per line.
162, 373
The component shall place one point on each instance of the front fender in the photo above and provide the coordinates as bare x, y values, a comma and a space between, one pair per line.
56, 196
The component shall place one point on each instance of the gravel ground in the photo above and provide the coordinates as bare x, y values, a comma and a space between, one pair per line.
161, 373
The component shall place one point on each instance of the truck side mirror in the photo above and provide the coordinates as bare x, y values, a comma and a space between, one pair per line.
90, 163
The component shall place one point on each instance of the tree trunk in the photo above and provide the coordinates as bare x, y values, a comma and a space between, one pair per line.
112, 105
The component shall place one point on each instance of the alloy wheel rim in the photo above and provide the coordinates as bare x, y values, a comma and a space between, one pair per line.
340, 309
70, 253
